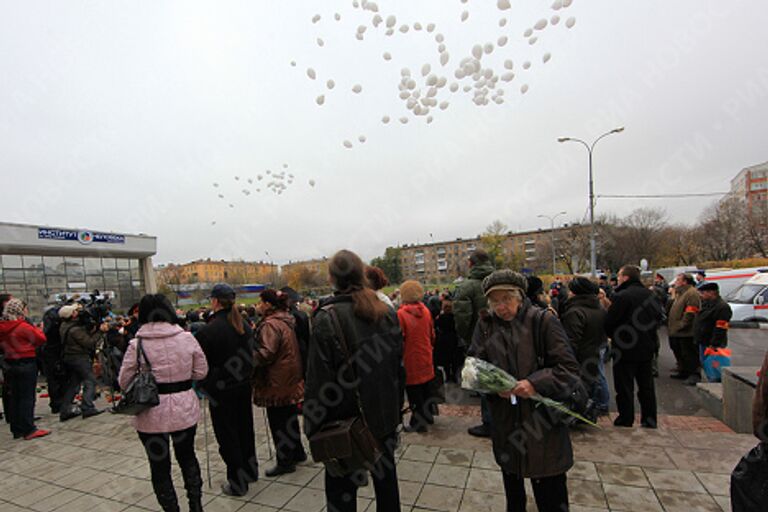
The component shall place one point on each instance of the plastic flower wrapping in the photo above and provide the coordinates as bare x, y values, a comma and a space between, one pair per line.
484, 377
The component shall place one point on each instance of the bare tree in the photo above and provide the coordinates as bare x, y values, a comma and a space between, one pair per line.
493, 242
722, 229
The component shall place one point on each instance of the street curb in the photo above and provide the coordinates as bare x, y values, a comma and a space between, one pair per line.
749, 325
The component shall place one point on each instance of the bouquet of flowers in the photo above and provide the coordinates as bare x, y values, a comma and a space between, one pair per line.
482, 376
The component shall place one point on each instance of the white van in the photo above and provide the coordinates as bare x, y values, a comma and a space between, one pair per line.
749, 302
730, 279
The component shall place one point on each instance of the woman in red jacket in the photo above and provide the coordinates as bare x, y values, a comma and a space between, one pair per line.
18, 341
418, 339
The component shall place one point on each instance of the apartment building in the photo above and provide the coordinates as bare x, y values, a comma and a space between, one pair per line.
751, 185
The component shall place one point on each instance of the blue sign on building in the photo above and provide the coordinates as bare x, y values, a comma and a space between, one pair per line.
84, 237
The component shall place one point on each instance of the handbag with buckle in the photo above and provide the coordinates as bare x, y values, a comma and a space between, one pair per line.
347, 445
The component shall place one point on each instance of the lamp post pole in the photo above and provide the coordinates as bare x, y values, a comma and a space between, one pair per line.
590, 149
271, 268
552, 234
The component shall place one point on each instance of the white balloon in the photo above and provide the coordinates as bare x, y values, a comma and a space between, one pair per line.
347, 144
237, 178
557, 5
293, 63
567, 3
405, 72
231, 205
337, 17
320, 42
499, 100
357, 88
432, 92
533, 40
526, 64
269, 172
541, 24
385, 119
387, 56
411, 84
441, 48
441, 82
390, 31
361, 29
391, 20
477, 51
404, 28
362, 139
509, 64
502, 22
444, 57
570, 22
453, 87
488, 48
404, 95
464, 15
524, 89
376, 20
417, 26
315, 18
213, 223
429, 119
410, 103
404, 120
439, 38
430, 27
320, 99
545, 58
488, 73
311, 73
554, 20
355, 4
425, 69
431, 80
467, 88
528, 32
221, 196
503, 4
330, 84
443, 105
372, 6
508, 76
311, 183
216, 185
259, 177
502, 41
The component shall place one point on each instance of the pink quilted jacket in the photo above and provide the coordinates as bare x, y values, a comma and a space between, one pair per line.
175, 356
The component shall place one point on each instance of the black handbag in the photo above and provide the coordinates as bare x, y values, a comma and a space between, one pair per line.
576, 398
142, 392
347, 445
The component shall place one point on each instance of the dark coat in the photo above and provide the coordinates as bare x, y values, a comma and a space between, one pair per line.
682, 311
525, 441
78, 341
583, 320
710, 328
377, 353
760, 404
229, 355
632, 322
469, 301
278, 379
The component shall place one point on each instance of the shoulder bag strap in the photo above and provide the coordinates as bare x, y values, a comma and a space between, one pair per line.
140, 354
347, 356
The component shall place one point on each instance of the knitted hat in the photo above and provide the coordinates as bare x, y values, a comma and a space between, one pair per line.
583, 286
14, 309
505, 280
411, 291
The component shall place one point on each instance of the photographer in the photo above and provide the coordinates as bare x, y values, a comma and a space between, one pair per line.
80, 340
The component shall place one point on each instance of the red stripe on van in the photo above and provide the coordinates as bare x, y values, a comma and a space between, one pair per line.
715, 278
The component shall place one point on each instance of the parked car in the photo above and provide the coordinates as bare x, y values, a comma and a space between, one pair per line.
749, 302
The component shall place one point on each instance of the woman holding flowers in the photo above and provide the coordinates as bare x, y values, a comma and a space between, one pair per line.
528, 441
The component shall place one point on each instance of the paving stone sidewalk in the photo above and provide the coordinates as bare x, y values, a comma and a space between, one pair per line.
98, 465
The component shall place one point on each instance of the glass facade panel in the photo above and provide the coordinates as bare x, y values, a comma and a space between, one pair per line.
93, 266
75, 269
33, 262
13, 276
54, 265
123, 263
11, 261
108, 263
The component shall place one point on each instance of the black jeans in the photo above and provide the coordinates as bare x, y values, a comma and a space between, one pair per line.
551, 493
341, 492
690, 362
625, 373
158, 451
80, 371
20, 407
232, 419
284, 424
418, 399
55, 376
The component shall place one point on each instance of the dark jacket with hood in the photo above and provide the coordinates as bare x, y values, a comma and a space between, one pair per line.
229, 355
710, 328
469, 301
376, 352
78, 341
526, 443
583, 320
632, 322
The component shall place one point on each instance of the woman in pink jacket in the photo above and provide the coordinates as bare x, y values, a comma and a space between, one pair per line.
176, 360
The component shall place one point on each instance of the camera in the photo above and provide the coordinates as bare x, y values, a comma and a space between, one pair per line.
94, 310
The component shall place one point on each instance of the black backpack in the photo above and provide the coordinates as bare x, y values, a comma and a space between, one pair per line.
577, 397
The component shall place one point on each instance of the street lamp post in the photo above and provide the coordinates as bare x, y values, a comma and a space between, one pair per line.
552, 233
590, 149
271, 268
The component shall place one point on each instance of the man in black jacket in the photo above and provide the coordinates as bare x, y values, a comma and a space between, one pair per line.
710, 327
227, 342
632, 322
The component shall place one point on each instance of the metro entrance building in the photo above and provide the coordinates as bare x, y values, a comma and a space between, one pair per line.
40, 263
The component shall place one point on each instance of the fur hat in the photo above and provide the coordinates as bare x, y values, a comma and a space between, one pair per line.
411, 291
505, 280
583, 286
708, 286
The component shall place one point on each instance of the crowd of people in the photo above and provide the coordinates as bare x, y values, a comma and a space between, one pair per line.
349, 361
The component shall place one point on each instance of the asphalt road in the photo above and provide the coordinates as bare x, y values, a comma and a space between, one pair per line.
748, 348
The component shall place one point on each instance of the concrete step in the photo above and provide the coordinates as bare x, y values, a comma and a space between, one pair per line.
711, 395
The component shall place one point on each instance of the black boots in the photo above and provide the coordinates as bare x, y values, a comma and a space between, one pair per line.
193, 483
166, 496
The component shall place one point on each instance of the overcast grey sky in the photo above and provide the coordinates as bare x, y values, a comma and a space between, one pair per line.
121, 115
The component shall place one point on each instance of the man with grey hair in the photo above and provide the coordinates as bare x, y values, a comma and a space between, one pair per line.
527, 441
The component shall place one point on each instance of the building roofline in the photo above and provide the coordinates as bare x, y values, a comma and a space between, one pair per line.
44, 226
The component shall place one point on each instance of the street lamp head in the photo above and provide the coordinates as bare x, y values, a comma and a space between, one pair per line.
563, 139
618, 130
563, 213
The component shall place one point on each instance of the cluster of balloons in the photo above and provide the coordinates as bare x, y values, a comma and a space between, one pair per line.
429, 91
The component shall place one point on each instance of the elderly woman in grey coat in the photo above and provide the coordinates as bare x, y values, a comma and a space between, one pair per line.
528, 442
